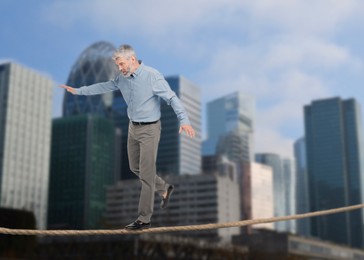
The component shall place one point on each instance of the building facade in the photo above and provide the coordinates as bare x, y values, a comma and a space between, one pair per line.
231, 115
257, 194
302, 192
290, 193
179, 154
82, 165
333, 131
279, 188
25, 132
95, 65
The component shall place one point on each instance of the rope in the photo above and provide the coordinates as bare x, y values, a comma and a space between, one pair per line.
176, 228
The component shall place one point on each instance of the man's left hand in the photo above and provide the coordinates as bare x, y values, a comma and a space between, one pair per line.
188, 129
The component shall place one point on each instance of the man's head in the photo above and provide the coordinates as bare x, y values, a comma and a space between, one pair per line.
126, 60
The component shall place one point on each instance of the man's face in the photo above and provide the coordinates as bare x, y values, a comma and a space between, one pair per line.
124, 65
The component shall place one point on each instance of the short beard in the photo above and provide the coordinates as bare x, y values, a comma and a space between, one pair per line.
126, 75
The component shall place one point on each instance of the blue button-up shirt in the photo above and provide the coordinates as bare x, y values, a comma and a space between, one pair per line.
142, 92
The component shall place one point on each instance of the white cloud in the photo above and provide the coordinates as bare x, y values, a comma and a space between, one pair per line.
309, 51
268, 140
299, 87
289, 94
303, 16
275, 71
162, 15
139, 16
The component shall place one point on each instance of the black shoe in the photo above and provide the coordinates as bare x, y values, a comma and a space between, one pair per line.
164, 202
136, 225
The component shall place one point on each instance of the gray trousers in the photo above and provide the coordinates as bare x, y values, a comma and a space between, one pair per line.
143, 141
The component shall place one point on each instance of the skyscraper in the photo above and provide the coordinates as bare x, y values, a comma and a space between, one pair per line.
290, 198
231, 115
232, 146
279, 189
179, 154
256, 189
333, 131
94, 65
25, 132
82, 165
302, 206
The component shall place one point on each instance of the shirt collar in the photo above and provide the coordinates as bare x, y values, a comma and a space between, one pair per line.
138, 70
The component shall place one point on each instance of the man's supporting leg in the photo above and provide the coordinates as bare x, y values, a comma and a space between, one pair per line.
134, 160
147, 137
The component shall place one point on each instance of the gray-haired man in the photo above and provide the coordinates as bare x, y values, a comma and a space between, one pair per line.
142, 88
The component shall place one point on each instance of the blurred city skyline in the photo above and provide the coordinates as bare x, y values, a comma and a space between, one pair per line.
285, 54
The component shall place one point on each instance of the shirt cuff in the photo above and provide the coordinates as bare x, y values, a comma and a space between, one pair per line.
77, 91
185, 122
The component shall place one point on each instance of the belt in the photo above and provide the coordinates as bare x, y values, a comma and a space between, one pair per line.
143, 123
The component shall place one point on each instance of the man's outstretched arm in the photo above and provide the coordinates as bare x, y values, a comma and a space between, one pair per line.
69, 89
95, 89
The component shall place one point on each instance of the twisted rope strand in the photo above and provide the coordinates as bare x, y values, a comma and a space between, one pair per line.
176, 228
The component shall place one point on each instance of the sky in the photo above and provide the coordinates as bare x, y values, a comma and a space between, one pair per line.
284, 53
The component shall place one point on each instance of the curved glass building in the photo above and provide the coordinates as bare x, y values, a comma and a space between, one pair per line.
94, 65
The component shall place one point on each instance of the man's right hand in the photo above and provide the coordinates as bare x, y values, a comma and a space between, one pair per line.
69, 89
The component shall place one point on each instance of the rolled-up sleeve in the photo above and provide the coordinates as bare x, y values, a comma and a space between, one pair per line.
98, 88
162, 89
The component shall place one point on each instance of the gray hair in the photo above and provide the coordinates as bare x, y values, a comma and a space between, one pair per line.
125, 51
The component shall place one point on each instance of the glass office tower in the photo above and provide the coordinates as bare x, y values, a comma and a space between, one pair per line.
94, 65
82, 165
279, 186
302, 201
333, 131
230, 115
25, 132
179, 154
290, 189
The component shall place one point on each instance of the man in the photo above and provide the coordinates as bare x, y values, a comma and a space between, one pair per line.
142, 88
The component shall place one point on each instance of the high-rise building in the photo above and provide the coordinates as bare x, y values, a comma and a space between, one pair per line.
279, 189
25, 132
231, 145
333, 131
94, 65
257, 194
231, 115
197, 199
289, 184
82, 165
302, 206
179, 154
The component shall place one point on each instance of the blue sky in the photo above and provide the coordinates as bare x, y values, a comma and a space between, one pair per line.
284, 53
